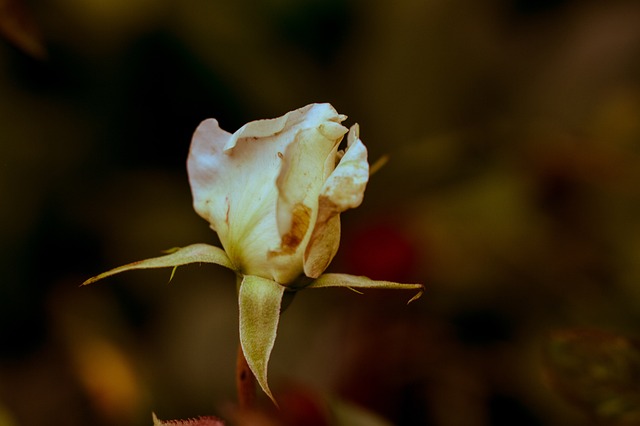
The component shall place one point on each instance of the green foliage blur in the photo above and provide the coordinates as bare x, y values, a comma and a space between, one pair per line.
512, 192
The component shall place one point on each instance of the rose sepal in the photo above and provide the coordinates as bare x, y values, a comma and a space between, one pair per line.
194, 253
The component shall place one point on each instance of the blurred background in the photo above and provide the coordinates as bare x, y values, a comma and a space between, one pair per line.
513, 132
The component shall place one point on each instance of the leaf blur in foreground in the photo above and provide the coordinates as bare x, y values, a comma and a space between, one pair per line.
19, 28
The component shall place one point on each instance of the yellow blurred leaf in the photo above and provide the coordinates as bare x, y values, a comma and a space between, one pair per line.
108, 375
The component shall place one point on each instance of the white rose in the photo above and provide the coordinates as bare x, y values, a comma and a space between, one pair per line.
274, 190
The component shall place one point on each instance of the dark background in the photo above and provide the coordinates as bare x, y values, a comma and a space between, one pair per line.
512, 192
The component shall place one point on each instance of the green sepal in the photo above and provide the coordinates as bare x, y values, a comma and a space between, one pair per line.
259, 300
194, 253
354, 282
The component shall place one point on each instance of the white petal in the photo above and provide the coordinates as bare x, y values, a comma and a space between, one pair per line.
344, 189
307, 116
304, 170
233, 180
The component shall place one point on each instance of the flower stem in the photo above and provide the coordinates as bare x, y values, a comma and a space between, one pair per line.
245, 382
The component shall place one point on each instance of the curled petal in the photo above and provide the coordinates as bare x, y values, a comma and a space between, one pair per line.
358, 282
194, 253
344, 189
304, 117
300, 181
259, 300
260, 129
345, 186
313, 113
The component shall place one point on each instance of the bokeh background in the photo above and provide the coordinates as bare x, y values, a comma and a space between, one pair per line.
512, 191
